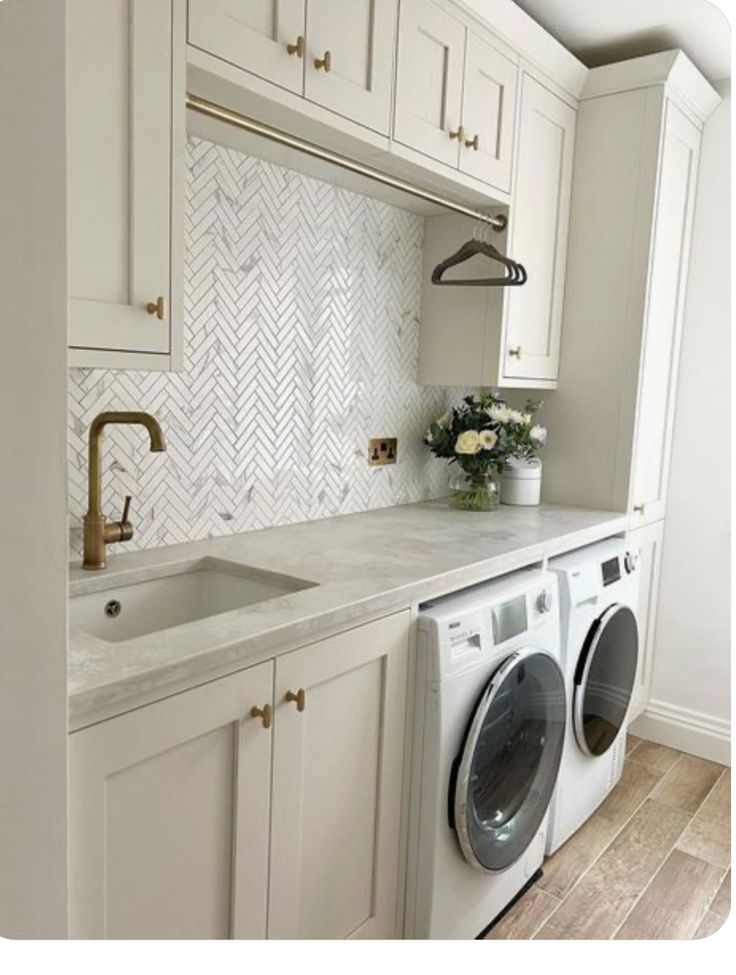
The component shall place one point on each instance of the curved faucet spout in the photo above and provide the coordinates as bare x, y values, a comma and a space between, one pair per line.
97, 532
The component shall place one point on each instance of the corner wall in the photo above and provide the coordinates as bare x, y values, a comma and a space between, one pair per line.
33, 531
690, 703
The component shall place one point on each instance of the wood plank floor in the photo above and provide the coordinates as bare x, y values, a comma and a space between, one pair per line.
651, 863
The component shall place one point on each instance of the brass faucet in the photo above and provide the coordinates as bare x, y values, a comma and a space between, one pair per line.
98, 532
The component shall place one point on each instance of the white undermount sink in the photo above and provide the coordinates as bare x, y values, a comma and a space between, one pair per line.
178, 594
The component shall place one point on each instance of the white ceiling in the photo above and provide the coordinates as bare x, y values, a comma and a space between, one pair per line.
601, 31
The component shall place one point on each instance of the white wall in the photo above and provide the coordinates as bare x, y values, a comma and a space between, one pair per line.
691, 686
33, 536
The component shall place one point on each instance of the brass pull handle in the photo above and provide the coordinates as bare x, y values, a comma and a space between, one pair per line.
324, 62
474, 143
459, 134
300, 698
515, 353
297, 48
263, 713
157, 307
639, 508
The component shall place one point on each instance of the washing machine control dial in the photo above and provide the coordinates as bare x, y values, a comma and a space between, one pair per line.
544, 601
630, 562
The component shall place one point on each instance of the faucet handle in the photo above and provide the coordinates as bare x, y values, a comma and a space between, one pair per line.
126, 508
126, 529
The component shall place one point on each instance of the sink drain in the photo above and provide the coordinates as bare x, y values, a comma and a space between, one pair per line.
113, 608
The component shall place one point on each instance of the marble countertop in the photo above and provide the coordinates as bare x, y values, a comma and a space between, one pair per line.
364, 566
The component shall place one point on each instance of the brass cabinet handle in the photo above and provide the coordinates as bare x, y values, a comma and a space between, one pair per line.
474, 143
515, 352
324, 62
263, 713
297, 48
300, 698
157, 307
459, 134
639, 508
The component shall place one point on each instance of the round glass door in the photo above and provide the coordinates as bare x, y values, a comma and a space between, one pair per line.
604, 679
509, 762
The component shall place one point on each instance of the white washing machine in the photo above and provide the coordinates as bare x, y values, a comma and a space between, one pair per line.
599, 591
488, 738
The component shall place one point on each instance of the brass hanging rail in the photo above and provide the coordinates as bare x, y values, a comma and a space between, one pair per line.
204, 107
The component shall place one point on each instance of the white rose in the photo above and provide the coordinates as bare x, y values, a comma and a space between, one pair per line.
499, 413
516, 416
468, 442
538, 433
527, 418
488, 439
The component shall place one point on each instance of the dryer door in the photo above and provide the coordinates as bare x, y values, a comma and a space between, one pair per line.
604, 679
507, 769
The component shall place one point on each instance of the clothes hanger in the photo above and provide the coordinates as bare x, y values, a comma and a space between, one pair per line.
477, 245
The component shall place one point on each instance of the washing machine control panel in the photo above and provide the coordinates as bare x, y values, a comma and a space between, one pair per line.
631, 561
544, 601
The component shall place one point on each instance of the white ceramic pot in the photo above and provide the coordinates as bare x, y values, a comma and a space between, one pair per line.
521, 482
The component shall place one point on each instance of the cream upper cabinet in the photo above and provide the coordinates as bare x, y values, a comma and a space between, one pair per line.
634, 186
455, 94
169, 816
125, 100
538, 235
356, 41
648, 540
665, 307
337, 782
255, 35
337, 55
489, 107
429, 81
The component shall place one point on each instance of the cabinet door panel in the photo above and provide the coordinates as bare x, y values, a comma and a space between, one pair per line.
337, 785
360, 37
164, 800
649, 541
429, 80
538, 234
252, 34
489, 104
665, 305
120, 121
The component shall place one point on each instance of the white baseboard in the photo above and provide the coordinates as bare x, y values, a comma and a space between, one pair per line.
688, 731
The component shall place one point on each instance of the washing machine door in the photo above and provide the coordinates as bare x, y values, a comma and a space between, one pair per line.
508, 765
604, 679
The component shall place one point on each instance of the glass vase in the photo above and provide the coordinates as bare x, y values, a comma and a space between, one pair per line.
478, 491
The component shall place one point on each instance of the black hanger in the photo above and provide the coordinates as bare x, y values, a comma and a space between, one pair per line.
517, 273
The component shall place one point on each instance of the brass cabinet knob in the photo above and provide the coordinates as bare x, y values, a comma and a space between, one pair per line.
515, 353
324, 62
639, 508
473, 143
297, 48
157, 307
300, 697
459, 134
263, 713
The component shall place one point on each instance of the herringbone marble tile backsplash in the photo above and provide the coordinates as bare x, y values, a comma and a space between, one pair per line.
302, 306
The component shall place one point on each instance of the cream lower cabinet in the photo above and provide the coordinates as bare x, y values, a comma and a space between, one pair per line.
125, 111
648, 540
189, 818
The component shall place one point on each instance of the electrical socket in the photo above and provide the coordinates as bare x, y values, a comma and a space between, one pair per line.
382, 451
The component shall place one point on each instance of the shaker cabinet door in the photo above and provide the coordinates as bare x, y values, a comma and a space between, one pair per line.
254, 35
663, 323
649, 540
169, 816
360, 37
538, 236
125, 124
489, 107
429, 81
337, 783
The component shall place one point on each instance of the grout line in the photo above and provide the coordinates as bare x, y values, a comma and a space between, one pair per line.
557, 906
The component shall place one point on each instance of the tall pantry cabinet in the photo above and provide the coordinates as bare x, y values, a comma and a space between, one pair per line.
639, 128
